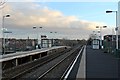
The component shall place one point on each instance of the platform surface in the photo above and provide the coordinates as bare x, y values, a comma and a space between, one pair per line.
25, 53
100, 65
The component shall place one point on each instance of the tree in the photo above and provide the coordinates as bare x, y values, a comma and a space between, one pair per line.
89, 41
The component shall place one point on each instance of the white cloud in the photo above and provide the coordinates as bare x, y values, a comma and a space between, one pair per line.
24, 16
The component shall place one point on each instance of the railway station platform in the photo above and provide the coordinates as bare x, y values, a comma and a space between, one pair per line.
97, 65
100, 65
15, 60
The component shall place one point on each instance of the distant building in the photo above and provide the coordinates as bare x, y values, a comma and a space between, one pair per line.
13, 45
60, 42
26, 44
109, 43
45, 43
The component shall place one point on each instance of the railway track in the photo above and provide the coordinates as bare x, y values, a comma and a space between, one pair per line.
24, 68
58, 71
49, 68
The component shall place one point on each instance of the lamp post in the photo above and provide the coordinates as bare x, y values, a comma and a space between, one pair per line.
115, 28
34, 27
100, 27
94, 35
53, 32
3, 31
53, 40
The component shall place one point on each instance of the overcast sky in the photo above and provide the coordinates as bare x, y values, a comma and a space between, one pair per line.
71, 20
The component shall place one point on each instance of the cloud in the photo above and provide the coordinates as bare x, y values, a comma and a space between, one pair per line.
24, 16
62, 0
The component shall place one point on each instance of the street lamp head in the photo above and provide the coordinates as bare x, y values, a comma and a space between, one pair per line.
109, 11
101, 26
8, 15
97, 26
104, 26
34, 27
40, 27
